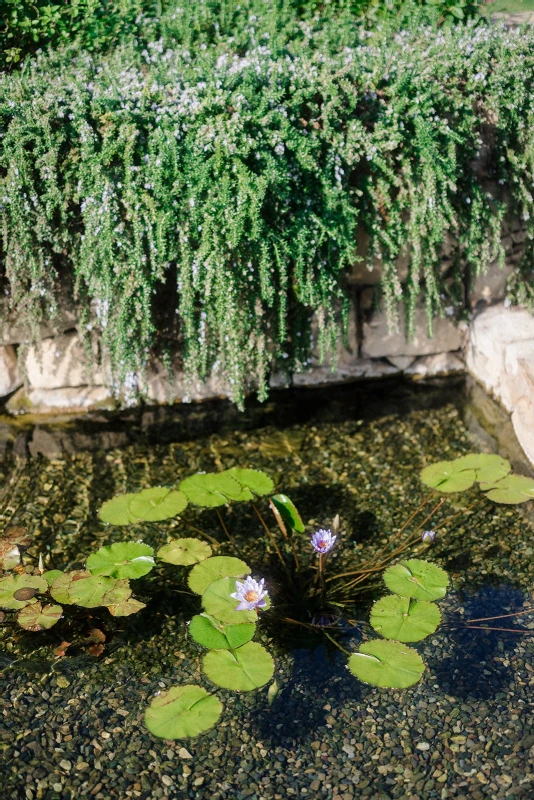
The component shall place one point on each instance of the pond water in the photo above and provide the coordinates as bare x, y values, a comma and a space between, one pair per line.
72, 725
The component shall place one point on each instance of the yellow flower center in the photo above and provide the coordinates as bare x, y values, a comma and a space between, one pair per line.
251, 596
322, 544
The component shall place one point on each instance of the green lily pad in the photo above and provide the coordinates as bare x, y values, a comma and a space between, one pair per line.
214, 568
12, 585
59, 588
418, 579
184, 552
387, 664
288, 511
51, 574
488, 466
258, 482
117, 510
9, 555
448, 476
38, 617
241, 670
209, 632
126, 607
122, 560
216, 602
404, 619
210, 489
511, 490
157, 504
98, 591
182, 712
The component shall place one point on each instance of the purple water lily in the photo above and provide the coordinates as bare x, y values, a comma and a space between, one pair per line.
250, 594
323, 541
427, 537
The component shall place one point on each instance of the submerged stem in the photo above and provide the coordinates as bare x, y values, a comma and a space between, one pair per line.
227, 532
271, 537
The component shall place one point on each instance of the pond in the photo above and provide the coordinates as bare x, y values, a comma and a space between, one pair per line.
74, 697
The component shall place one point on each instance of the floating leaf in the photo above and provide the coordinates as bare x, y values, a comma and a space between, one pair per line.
511, 490
182, 712
51, 574
208, 489
448, 476
126, 607
288, 512
59, 588
9, 555
404, 619
488, 466
387, 664
122, 560
418, 579
211, 633
117, 510
241, 670
10, 585
258, 482
217, 602
38, 617
98, 591
158, 503
184, 552
96, 649
214, 568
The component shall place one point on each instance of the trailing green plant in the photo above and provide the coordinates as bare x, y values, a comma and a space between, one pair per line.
211, 189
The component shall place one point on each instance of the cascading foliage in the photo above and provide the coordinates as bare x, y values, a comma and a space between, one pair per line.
211, 188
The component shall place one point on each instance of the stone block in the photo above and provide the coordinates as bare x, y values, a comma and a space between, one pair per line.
437, 364
9, 373
68, 399
61, 362
378, 342
360, 368
491, 286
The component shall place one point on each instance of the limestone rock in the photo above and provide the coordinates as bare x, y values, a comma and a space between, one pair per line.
70, 399
360, 368
61, 362
437, 364
161, 388
491, 286
9, 374
378, 342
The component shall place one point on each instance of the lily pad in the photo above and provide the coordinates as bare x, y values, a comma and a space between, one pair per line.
126, 607
288, 511
241, 670
59, 588
12, 585
38, 617
212, 569
117, 510
157, 504
182, 712
448, 476
258, 482
209, 489
184, 552
387, 664
9, 555
51, 574
488, 466
511, 490
122, 560
418, 579
98, 591
404, 619
209, 632
217, 602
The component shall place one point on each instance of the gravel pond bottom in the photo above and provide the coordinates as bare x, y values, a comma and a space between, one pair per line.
72, 726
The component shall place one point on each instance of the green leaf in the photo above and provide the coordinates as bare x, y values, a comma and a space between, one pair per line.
273, 692
38, 617
404, 619
511, 490
122, 560
258, 482
182, 712
386, 664
446, 476
117, 510
208, 489
12, 585
418, 579
217, 602
184, 552
288, 512
157, 504
98, 591
126, 607
59, 588
488, 466
51, 574
214, 568
241, 670
211, 633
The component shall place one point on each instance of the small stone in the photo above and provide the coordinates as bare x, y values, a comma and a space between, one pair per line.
167, 780
183, 753
62, 682
423, 746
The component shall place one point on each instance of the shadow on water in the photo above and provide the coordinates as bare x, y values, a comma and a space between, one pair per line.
475, 668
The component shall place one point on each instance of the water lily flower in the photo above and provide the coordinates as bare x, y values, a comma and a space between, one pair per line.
428, 537
250, 594
323, 541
